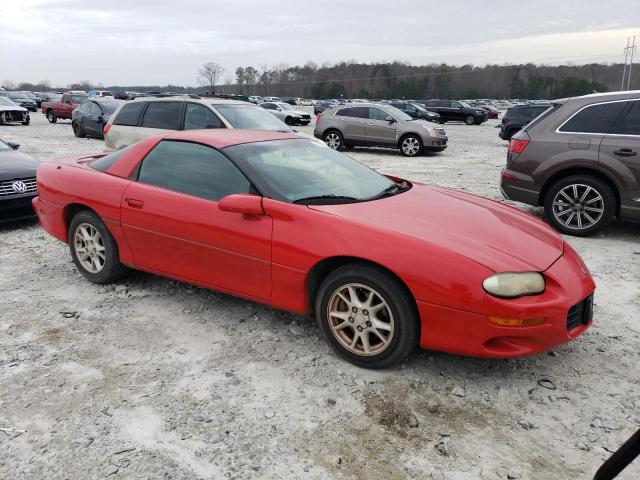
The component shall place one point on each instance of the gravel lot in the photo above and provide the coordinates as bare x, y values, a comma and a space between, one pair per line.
150, 378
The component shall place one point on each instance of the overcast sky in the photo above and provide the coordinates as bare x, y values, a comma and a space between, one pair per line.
148, 42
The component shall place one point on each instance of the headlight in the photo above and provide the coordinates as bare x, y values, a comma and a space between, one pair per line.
514, 284
432, 132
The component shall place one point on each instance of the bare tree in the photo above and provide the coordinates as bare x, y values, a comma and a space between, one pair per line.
9, 84
209, 74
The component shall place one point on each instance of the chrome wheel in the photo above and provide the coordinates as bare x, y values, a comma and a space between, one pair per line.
410, 146
89, 248
578, 206
360, 319
333, 140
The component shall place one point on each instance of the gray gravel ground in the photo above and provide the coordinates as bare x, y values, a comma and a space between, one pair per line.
150, 378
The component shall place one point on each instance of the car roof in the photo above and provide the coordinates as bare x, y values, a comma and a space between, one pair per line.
226, 137
594, 97
205, 100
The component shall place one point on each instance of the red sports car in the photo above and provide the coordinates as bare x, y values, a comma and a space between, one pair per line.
384, 263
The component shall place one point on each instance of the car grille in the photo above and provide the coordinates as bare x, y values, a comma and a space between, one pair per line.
306, 117
441, 131
6, 187
580, 314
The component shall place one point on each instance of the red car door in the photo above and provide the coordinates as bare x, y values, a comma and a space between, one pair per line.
171, 219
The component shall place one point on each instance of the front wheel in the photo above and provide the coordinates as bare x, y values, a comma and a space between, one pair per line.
333, 139
93, 249
78, 131
26, 121
51, 116
470, 120
579, 205
410, 146
367, 316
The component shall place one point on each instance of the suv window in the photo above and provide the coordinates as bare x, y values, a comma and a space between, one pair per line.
165, 115
455, 105
354, 112
192, 169
197, 117
630, 124
377, 114
129, 114
594, 118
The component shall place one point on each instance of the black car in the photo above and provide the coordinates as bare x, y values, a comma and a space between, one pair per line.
517, 117
415, 110
24, 101
91, 116
17, 183
455, 111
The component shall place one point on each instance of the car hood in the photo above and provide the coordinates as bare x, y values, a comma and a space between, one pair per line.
14, 164
12, 108
497, 236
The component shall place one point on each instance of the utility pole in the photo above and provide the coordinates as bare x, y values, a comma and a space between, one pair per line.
632, 50
624, 67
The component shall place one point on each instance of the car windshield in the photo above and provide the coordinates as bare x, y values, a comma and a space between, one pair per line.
110, 106
420, 108
79, 98
6, 101
4, 146
300, 171
465, 104
250, 117
397, 113
285, 106
19, 96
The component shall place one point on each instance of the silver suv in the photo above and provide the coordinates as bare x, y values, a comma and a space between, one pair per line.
378, 125
580, 159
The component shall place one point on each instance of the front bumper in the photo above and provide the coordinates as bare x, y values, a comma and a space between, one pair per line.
569, 289
16, 208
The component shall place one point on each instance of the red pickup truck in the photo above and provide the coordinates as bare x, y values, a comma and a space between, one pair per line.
62, 109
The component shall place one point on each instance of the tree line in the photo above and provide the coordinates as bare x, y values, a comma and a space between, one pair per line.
387, 80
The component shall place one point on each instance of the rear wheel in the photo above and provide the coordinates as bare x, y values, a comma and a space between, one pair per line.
410, 145
78, 131
93, 249
333, 139
367, 316
469, 120
51, 116
579, 205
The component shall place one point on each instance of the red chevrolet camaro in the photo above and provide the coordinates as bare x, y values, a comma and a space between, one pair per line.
384, 263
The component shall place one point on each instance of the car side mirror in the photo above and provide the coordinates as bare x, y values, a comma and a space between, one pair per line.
244, 203
15, 146
390, 119
100, 118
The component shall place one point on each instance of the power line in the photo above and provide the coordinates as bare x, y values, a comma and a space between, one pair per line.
628, 51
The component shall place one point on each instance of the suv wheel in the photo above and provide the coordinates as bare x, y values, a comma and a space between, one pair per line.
410, 146
579, 205
367, 316
470, 120
333, 139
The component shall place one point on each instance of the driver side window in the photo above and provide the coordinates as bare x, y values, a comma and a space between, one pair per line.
377, 114
198, 117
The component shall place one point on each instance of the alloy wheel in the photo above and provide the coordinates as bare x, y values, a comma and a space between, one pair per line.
360, 319
89, 248
333, 140
578, 206
410, 146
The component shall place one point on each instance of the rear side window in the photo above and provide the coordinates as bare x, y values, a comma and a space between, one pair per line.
344, 112
630, 124
198, 117
165, 115
129, 114
192, 169
542, 116
594, 118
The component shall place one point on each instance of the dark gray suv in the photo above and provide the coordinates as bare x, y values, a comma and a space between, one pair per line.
580, 160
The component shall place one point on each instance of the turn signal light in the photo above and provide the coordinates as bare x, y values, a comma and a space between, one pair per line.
515, 322
517, 146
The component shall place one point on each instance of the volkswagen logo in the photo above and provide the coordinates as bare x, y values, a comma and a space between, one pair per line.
19, 186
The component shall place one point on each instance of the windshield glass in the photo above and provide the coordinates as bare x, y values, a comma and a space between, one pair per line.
251, 117
465, 104
19, 96
110, 106
7, 102
285, 106
420, 108
397, 113
4, 146
301, 171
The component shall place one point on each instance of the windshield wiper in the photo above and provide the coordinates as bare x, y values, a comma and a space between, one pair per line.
387, 192
320, 198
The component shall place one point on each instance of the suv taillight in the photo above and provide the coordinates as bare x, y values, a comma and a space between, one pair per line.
318, 116
517, 146
105, 130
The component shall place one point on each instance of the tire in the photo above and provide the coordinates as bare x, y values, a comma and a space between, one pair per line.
27, 121
78, 131
410, 145
510, 134
105, 268
397, 313
593, 210
51, 116
333, 139
1, 118
288, 121
469, 120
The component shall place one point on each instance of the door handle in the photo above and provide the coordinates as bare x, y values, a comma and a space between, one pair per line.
625, 152
371, 123
133, 203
